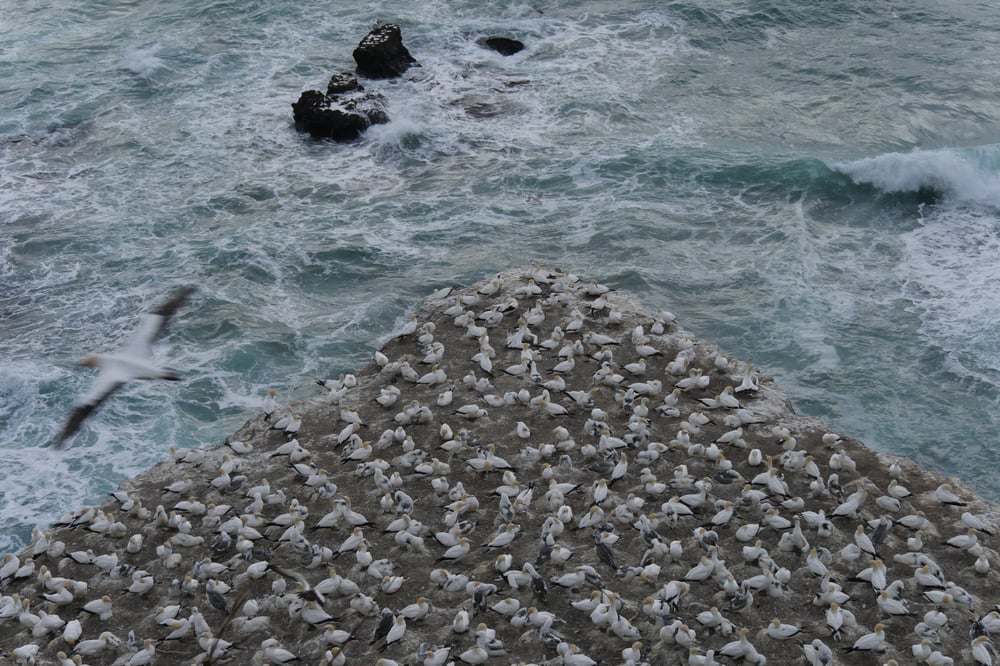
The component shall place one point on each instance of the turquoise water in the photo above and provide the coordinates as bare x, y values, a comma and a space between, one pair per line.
813, 185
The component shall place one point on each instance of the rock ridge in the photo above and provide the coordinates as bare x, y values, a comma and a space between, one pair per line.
536, 469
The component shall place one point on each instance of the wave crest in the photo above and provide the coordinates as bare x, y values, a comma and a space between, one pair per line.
954, 176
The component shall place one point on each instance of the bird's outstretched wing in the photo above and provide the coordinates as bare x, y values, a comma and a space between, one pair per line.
105, 385
152, 324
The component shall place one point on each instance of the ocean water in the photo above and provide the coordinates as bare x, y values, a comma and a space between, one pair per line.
814, 185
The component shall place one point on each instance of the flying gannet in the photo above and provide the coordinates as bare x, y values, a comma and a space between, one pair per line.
134, 361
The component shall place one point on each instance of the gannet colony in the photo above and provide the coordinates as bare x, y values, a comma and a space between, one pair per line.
536, 470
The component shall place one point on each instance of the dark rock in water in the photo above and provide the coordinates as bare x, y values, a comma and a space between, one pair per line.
502, 45
346, 109
381, 54
482, 110
343, 113
342, 83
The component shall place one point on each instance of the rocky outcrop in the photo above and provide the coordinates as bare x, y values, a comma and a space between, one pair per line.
342, 113
536, 466
381, 54
502, 45
346, 109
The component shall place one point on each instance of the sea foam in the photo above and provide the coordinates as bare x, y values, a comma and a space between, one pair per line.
961, 176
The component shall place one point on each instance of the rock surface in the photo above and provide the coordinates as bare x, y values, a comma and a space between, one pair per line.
637, 500
342, 113
381, 53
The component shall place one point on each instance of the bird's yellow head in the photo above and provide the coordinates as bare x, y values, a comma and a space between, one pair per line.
90, 361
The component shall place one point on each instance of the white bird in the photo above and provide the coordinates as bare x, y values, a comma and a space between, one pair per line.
636, 368
387, 397
460, 623
456, 552
26, 653
817, 653
849, 506
700, 571
435, 376
99, 607
47, 624
418, 610
96, 645
922, 650
749, 382
566, 365
739, 648
504, 537
964, 541
898, 490
891, 605
976, 523
870, 642
863, 541
552, 408
946, 495
134, 361
471, 411
314, 614
982, 650
333, 636
274, 653
434, 655
475, 655
145, 655
782, 632
571, 655
72, 631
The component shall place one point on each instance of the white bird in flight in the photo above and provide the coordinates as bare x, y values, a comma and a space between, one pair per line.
133, 361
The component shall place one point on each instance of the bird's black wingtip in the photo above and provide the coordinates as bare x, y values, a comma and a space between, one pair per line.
179, 297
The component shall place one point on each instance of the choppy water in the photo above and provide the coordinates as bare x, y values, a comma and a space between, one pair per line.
814, 185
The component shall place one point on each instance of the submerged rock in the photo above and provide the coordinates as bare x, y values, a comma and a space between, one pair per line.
342, 113
381, 54
502, 45
537, 464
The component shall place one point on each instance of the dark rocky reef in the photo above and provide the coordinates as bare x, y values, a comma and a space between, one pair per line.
502, 45
381, 54
346, 109
342, 113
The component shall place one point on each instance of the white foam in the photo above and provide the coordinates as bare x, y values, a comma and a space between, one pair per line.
401, 132
963, 176
6, 260
951, 269
143, 61
950, 261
